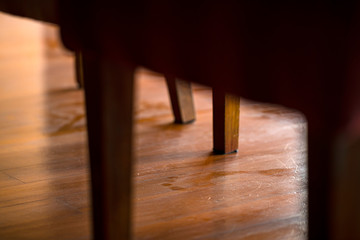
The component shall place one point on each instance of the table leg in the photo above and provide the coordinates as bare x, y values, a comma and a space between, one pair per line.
109, 109
79, 69
226, 109
181, 100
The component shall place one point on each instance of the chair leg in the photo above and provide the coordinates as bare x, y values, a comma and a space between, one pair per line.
79, 69
109, 109
181, 100
226, 109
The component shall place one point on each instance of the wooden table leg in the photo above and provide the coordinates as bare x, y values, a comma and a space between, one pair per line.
79, 69
346, 197
319, 160
226, 109
181, 100
333, 163
109, 109
324, 128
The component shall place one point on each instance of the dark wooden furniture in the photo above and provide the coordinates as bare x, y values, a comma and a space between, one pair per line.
225, 109
301, 54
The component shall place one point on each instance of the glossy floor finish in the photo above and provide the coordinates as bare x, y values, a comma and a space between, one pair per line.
181, 190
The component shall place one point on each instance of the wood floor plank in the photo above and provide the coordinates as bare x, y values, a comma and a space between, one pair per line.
30, 192
40, 152
7, 180
51, 171
43, 219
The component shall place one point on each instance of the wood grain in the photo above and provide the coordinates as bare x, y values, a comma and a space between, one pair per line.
181, 189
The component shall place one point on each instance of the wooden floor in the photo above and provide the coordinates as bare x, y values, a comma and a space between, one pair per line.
182, 190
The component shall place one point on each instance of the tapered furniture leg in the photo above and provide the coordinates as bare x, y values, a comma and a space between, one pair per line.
109, 109
226, 109
79, 69
181, 100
